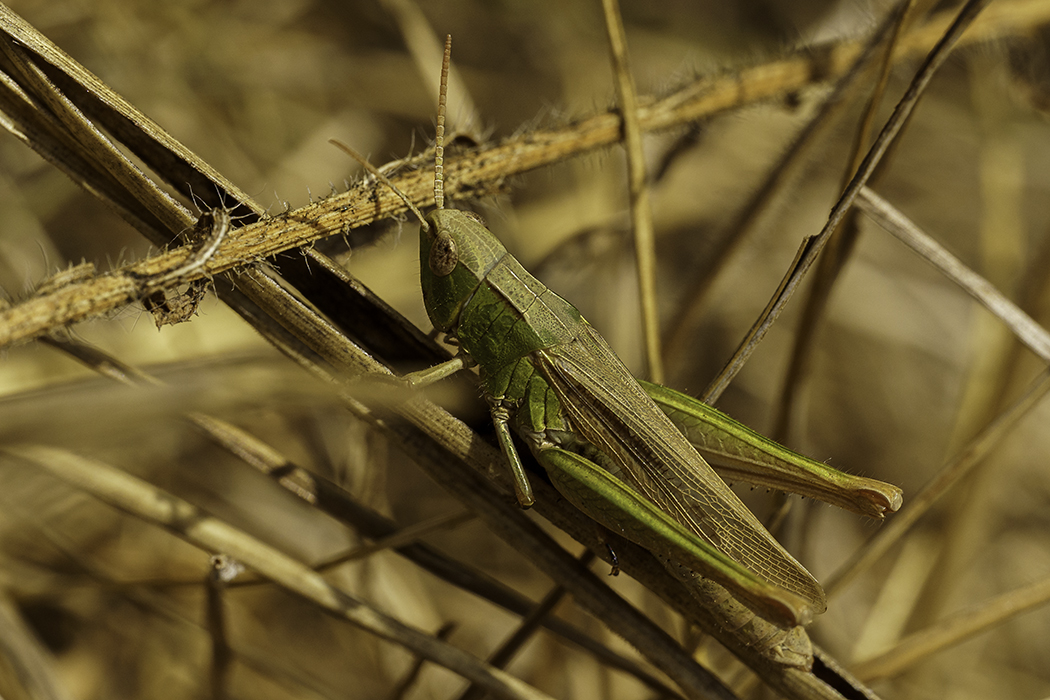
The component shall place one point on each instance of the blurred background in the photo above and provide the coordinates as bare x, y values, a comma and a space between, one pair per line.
904, 368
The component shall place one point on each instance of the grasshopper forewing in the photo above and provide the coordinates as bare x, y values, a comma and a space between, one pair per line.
611, 411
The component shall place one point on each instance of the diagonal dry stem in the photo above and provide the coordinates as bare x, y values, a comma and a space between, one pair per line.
961, 464
1027, 329
479, 172
953, 630
776, 180
1023, 326
811, 247
135, 496
841, 244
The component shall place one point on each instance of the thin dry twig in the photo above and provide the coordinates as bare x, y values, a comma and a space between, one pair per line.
775, 181
1028, 331
953, 630
402, 688
954, 470
525, 631
222, 569
810, 248
190, 523
402, 537
841, 244
479, 172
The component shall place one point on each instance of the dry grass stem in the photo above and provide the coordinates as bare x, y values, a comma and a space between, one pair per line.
843, 241
953, 630
778, 177
950, 474
810, 248
526, 630
475, 174
146, 501
1024, 327
638, 188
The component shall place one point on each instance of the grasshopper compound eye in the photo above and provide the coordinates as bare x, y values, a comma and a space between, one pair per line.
443, 255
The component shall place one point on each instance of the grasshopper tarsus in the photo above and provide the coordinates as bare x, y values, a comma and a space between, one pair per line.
614, 569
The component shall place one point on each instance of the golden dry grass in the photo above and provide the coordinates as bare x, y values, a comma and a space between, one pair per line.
904, 370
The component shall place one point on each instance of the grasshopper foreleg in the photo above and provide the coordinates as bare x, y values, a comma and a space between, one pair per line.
433, 375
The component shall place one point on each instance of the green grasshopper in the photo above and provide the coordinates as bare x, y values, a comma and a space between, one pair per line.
622, 451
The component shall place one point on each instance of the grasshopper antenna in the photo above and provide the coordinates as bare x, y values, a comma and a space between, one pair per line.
439, 148
382, 178
439, 133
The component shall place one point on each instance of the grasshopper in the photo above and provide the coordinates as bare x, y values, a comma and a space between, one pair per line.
622, 451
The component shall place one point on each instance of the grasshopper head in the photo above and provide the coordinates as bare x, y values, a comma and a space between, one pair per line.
455, 255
